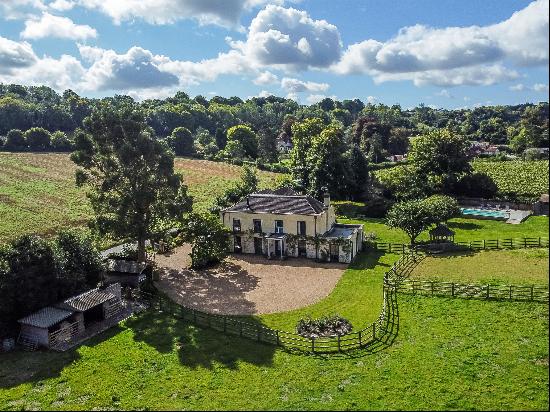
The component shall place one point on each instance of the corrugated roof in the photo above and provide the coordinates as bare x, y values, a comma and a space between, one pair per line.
86, 300
126, 266
46, 317
278, 204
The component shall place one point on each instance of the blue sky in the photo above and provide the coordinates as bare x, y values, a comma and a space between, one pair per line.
441, 53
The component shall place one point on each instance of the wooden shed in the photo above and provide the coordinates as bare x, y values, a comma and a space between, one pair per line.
126, 272
49, 326
95, 304
55, 325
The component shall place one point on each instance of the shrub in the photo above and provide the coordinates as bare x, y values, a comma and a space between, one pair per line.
60, 142
38, 138
181, 141
15, 140
327, 326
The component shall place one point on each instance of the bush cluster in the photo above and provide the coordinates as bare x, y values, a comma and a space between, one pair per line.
327, 326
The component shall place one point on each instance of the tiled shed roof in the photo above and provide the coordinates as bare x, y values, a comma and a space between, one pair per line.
46, 317
278, 204
86, 300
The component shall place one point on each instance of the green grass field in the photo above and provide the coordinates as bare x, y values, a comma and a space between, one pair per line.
38, 193
465, 229
516, 267
449, 354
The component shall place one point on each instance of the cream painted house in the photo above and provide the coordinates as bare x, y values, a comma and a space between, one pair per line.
283, 223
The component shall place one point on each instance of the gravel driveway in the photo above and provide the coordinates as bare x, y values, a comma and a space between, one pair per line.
246, 284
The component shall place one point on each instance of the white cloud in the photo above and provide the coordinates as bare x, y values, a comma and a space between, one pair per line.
540, 87
265, 78
61, 5
432, 56
17, 9
371, 99
473, 76
298, 86
225, 13
517, 87
14, 55
290, 39
55, 26
444, 93
315, 98
135, 70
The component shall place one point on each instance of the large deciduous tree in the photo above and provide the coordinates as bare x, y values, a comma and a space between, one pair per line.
244, 134
130, 176
441, 158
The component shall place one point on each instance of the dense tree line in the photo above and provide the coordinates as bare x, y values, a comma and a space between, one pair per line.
379, 130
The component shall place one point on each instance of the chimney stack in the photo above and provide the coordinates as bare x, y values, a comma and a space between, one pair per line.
326, 199
248, 202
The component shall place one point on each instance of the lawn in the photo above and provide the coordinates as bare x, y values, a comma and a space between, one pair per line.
516, 267
449, 354
465, 229
38, 193
357, 296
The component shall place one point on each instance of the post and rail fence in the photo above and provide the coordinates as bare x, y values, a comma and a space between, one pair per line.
396, 279
481, 244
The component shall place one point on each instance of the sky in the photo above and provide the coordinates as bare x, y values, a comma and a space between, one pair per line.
442, 53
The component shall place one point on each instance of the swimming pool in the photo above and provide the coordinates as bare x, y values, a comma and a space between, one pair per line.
495, 214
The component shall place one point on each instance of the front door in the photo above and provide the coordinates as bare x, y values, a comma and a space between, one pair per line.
302, 248
334, 252
258, 245
278, 247
238, 246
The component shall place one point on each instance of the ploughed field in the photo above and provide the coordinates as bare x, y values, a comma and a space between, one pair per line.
38, 192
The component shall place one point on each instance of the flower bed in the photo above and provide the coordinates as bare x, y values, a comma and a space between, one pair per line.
327, 326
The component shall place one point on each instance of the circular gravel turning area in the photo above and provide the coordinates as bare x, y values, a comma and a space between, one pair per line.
246, 284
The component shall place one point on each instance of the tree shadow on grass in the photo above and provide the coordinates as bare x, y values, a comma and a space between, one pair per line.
464, 225
198, 346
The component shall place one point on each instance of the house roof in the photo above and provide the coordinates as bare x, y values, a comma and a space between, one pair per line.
46, 317
126, 266
343, 231
86, 300
278, 203
441, 230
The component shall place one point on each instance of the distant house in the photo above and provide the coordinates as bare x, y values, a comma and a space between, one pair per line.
282, 223
483, 148
283, 146
55, 325
396, 158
